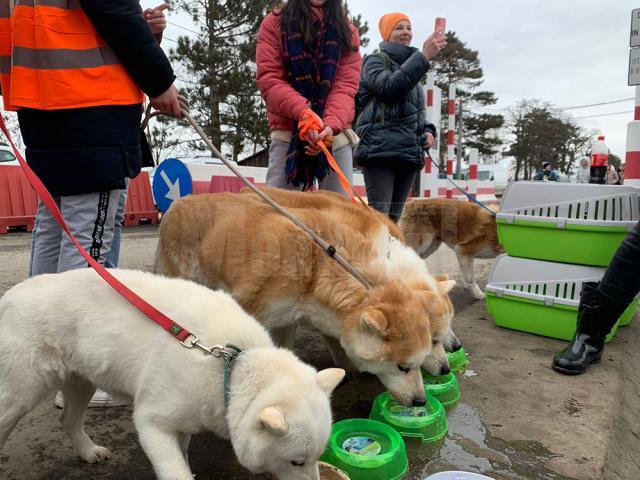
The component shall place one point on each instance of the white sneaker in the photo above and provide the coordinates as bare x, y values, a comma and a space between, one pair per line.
100, 399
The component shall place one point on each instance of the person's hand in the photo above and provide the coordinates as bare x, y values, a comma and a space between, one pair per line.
326, 132
432, 45
326, 136
430, 140
156, 19
167, 102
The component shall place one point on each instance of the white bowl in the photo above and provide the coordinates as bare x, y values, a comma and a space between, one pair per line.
457, 476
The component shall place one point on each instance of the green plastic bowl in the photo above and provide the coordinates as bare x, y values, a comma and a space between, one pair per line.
429, 423
366, 450
458, 361
445, 388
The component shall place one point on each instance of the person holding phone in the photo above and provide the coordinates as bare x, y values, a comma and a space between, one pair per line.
392, 125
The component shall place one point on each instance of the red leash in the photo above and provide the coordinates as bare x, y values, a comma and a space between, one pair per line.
149, 310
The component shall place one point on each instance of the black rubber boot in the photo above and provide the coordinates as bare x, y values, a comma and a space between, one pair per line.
597, 314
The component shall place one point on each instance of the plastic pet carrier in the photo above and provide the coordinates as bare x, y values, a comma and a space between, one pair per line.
541, 297
569, 223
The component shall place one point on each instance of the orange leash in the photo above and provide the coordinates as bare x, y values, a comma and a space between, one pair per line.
311, 121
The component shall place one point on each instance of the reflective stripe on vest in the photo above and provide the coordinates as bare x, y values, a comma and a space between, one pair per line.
64, 4
51, 58
62, 58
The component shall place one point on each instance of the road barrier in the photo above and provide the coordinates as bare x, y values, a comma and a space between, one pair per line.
18, 200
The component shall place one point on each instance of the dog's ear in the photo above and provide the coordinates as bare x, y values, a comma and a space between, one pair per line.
442, 277
272, 419
446, 286
429, 298
329, 379
374, 321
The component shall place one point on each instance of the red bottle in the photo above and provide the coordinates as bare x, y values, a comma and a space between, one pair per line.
599, 161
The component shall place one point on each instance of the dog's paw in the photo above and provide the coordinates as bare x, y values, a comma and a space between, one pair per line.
477, 293
96, 454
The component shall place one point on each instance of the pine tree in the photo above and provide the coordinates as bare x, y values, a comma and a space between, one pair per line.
363, 29
219, 62
460, 65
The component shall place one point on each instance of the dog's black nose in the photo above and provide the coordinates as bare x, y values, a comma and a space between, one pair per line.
445, 370
455, 347
419, 402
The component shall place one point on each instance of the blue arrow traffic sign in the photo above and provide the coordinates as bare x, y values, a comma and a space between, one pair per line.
171, 181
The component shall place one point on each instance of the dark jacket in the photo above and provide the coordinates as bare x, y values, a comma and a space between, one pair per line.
392, 107
94, 149
544, 175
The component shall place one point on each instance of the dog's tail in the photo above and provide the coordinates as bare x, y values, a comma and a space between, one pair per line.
176, 247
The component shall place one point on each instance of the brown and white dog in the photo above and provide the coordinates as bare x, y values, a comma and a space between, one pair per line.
279, 275
468, 229
401, 261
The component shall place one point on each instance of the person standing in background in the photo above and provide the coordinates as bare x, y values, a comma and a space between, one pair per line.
392, 125
547, 174
583, 175
612, 176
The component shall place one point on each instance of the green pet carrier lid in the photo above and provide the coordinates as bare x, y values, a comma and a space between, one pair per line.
549, 282
563, 205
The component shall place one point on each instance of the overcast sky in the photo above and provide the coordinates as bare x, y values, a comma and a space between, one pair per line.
567, 52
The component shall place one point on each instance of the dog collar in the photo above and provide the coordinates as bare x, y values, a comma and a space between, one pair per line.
229, 354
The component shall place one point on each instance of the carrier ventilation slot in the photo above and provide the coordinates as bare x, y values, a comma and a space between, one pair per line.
612, 208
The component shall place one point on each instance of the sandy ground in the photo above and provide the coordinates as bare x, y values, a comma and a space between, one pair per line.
516, 419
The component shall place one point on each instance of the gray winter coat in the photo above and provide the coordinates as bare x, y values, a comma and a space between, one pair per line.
392, 107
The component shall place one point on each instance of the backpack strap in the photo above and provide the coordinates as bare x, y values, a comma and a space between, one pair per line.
387, 63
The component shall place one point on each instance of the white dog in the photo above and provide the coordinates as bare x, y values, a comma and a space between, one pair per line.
72, 331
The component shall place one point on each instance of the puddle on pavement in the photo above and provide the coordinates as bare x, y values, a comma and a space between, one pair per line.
469, 447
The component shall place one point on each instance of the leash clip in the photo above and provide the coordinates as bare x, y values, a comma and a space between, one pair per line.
194, 342
227, 351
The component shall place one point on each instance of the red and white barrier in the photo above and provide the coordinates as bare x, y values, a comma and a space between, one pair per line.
224, 183
632, 161
472, 180
202, 175
429, 177
451, 136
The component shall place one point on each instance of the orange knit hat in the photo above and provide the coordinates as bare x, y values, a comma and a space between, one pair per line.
388, 21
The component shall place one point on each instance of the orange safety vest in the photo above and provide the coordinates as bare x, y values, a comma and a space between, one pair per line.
52, 58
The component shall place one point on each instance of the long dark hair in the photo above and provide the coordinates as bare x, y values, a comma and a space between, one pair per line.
335, 14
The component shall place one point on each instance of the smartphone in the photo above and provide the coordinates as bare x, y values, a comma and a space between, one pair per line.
441, 26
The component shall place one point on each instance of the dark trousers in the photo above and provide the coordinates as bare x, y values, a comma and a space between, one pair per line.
621, 281
388, 187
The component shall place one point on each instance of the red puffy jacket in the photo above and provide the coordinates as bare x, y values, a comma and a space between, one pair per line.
284, 103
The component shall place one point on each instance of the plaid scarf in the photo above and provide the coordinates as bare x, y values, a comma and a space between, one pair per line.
311, 74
